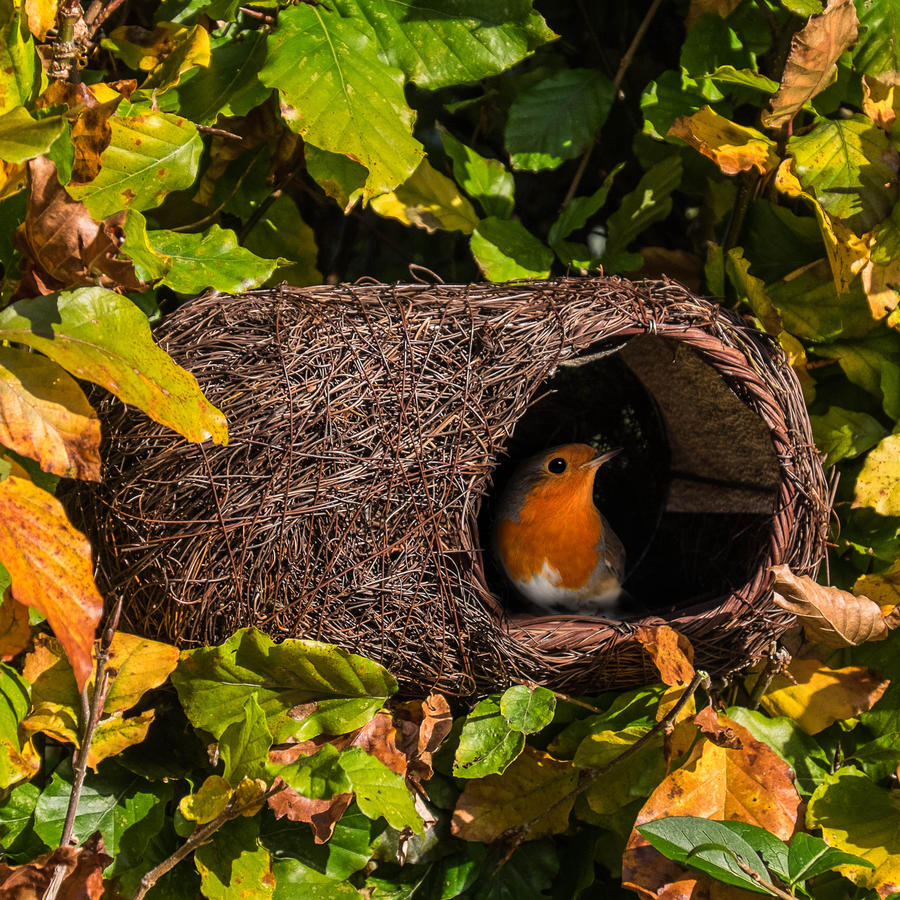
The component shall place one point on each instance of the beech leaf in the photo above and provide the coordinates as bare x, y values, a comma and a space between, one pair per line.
45, 415
878, 484
15, 632
49, 563
103, 337
810, 66
830, 616
671, 652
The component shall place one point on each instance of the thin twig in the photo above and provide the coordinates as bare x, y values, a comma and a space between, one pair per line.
576, 702
588, 776
98, 13
617, 85
255, 14
777, 891
746, 192
200, 836
774, 664
219, 132
91, 711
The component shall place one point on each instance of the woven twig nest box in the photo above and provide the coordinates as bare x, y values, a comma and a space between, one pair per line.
370, 425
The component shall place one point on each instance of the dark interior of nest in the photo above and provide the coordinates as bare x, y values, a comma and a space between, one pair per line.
692, 493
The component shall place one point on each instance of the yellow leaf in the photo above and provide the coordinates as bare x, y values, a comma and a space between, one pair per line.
17, 765
815, 696
49, 564
208, 802
249, 796
115, 734
15, 632
878, 484
670, 697
54, 695
830, 617
41, 16
883, 588
165, 53
796, 356
881, 98
535, 788
45, 415
140, 665
811, 65
753, 291
13, 178
429, 200
733, 148
714, 782
671, 652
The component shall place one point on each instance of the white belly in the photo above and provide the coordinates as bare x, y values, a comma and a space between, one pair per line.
545, 590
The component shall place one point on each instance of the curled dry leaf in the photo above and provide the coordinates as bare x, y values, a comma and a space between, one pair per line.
83, 878
322, 815
671, 652
750, 784
810, 67
49, 563
831, 617
717, 731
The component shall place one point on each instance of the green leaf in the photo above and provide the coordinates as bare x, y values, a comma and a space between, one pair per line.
745, 78
113, 803
99, 336
873, 365
528, 709
579, 209
443, 44
770, 847
810, 856
244, 746
149, 265
233, 865
845, 434
318, 777
672, 95
649, 202
342, 178
339, 96
148, 156
850, 167
17, 810
557, 118
343, 690
878, 49
379, 791
230, 85
297, 881
711, 44
14, 703
487, 744
804, 8
529, 872
505, 251
707, 846
23, 137
428, 200
20, 68
282, 232
484, 180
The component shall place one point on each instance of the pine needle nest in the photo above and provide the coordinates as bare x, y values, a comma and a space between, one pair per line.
370, 425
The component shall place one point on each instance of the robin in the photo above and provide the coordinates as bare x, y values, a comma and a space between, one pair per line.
555, 545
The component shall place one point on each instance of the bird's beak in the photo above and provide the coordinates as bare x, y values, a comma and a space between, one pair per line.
598, 461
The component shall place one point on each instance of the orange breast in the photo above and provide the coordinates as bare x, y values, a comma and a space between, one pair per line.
555, 529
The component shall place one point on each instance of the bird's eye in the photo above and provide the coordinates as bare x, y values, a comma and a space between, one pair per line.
557, 465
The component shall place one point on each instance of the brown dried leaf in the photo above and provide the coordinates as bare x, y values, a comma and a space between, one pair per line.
83, 879
831, 617
15, 632
671, 652
751, 784
322, 815
44, 415
723, 8
49, 563
535, 790
721, 734
811, 65
379, 738
816, 696
733, 148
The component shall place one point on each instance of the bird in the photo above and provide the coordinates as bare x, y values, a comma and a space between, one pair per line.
555, 546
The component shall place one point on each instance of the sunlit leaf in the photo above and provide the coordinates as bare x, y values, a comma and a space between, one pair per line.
878, 484
536, 790
883, 587
244, 745
878, 49
671, 652
484, 180
342, 178
881, 98
873, 364
235, 864
845, 434
103, 337
487, 744
557, 118
528, 709
15, 631
505, 251
438, 46
744, 78
428, 200
19, 761
20, 68
49, 563
45, 415
339, 96
379, 791
148, 156
810, 66
207, 802
23, 137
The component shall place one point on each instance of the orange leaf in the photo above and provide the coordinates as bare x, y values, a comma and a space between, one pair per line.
732, 147
15, 632
810, 67
322, 815
816, 696
41, 16
671, 652
722, 735
881, 97
83, 879
751, 784
45, 415
536, 790
49, 564
831, 617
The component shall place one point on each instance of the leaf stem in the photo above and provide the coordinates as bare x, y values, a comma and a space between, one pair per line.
777, 891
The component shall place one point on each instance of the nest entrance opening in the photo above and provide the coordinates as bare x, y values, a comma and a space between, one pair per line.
692, 493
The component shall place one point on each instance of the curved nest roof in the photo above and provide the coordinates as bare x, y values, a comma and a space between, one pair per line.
366, 424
